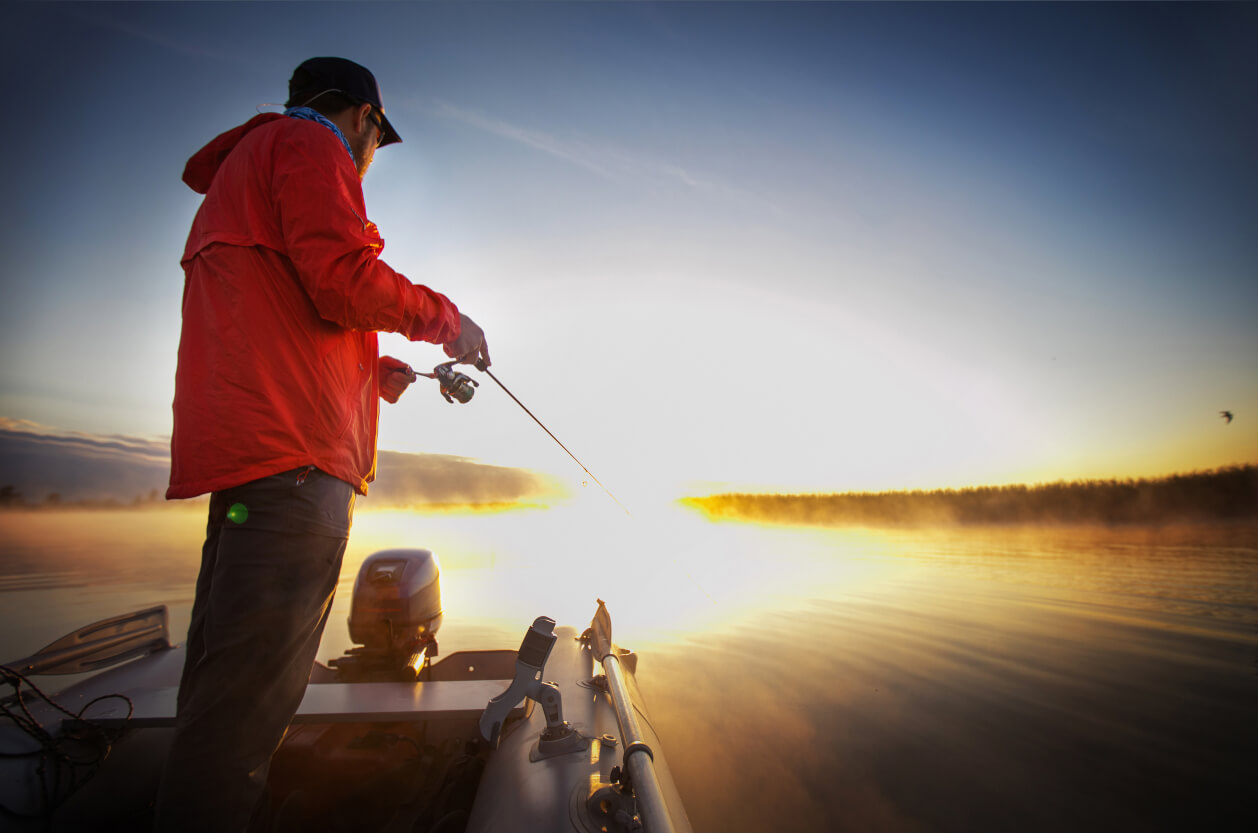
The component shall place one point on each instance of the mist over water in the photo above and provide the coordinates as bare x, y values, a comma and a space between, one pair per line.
805, 678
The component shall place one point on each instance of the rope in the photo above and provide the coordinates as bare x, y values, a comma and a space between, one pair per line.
56, 753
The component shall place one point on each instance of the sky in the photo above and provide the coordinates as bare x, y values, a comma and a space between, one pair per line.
714, 246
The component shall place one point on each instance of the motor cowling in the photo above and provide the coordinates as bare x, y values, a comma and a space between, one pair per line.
395, 611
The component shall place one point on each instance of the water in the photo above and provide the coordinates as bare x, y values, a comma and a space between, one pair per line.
808, 679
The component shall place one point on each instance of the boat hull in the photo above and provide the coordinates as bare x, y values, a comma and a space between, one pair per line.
528, 785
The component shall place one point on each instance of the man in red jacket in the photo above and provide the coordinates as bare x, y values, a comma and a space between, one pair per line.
275, 412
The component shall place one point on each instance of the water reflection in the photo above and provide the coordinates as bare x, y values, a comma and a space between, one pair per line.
1042, 679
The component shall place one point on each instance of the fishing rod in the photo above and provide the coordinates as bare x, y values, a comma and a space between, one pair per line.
460, 387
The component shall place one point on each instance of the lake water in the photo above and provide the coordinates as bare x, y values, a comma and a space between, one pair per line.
812, 679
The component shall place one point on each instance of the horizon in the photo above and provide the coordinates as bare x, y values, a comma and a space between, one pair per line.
718, 247
415, 480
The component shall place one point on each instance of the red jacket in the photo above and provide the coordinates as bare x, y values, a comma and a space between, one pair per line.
284, 292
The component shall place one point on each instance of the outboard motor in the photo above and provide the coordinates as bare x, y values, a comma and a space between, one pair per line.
393, 617
349, 775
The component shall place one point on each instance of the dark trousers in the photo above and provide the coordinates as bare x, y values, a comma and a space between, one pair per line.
269, 568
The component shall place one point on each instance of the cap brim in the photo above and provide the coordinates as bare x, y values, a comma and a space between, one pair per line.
390, 135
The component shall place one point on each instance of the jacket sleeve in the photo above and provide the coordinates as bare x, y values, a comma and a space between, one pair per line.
335, 249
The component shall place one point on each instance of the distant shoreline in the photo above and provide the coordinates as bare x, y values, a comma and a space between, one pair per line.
199, 504
1219, 495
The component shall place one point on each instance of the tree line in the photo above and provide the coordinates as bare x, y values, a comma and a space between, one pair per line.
1226, 494
12, 498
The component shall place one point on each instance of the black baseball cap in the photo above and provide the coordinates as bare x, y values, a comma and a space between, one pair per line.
321, 75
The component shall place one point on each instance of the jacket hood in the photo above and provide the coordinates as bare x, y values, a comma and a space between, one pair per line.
204, 164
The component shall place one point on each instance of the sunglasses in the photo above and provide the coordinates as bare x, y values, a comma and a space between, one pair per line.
378, 121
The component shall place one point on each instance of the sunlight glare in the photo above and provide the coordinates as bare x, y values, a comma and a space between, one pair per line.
665, 573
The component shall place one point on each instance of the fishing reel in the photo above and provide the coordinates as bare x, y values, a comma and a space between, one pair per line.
454, 385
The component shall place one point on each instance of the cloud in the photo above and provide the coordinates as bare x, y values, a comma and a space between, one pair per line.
409, 479
148, 450
38, 460
601, 159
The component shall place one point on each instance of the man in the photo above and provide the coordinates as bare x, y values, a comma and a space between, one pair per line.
275, 415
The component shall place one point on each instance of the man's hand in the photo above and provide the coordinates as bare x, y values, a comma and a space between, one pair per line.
395, 378
470, 346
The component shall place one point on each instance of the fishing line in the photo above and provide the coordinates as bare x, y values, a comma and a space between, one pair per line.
480, 365
459, 387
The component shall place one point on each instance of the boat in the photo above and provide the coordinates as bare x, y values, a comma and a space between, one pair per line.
392, 736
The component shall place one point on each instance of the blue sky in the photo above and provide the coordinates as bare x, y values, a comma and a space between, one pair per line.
790, 246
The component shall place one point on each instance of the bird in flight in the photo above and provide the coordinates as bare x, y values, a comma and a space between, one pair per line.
1227, 416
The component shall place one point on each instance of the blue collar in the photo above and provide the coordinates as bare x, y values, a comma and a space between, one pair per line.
310, 114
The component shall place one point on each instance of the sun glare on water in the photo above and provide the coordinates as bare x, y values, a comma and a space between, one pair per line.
665, 572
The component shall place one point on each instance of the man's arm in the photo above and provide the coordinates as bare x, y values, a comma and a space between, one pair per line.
335, 249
